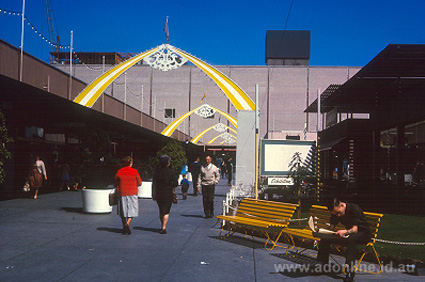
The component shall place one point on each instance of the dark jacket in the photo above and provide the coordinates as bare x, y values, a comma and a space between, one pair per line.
195, 169
164, 181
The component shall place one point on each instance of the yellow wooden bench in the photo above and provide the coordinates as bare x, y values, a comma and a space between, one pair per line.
267, 216
321, 216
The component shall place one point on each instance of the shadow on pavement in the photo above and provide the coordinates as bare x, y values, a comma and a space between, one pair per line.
245, 242
113, 230
75, 210
297, 258
192, 215
302, 264
154, 230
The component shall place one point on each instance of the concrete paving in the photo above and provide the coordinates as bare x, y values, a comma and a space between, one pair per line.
51, 239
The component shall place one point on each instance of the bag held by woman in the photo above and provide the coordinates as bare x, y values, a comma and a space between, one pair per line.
113, 198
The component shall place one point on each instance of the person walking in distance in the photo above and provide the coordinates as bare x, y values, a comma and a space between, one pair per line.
229, 171
38, 176
208, 179
195, 170
184, 183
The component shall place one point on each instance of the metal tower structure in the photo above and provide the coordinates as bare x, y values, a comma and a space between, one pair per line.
50, 24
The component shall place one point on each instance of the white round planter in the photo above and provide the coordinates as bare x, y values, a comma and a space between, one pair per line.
145, 190
96, 200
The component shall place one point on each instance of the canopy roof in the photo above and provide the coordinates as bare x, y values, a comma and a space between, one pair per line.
397, 71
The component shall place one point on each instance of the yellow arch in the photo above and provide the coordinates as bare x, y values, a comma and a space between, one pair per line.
92, 92
218, 136
236, 95
223, 141
199, 136
168, 131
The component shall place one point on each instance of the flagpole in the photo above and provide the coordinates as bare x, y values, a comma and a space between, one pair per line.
167, 32
70, 65
22, 41
256, 143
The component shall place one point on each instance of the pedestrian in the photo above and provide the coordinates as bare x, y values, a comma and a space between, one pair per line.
208, 178
35, 179
127, 181
65, 171
184, 183
38, 176
163, 184
229, 171
223, 169
195, 170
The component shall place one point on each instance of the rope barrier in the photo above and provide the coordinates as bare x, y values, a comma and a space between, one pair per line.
298, 219
400, 243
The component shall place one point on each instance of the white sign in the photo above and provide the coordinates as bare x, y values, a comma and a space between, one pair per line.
280, 181
276, 155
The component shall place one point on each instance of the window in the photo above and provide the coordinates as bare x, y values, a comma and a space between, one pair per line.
170, 113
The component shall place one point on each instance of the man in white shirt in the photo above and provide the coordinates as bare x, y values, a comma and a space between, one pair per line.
208, 178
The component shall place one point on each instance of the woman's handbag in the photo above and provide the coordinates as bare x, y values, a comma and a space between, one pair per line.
113, 198
175, 198
26, 187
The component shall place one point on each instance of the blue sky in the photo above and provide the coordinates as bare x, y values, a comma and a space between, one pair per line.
343, 33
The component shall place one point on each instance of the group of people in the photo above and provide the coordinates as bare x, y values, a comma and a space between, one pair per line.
37, 177
127, 180
164, 181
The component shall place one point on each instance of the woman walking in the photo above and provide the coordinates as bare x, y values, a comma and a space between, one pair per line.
164, 181
38, 172
127, 181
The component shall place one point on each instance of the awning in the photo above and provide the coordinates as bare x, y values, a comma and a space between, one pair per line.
329, 145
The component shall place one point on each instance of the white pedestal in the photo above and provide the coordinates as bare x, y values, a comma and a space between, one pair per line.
145, 190
96, 200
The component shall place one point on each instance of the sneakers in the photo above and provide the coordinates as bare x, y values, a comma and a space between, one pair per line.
163, 231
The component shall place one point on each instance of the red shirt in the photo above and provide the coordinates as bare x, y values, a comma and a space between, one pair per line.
127, 180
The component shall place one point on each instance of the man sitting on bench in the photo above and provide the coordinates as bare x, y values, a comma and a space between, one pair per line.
357, 229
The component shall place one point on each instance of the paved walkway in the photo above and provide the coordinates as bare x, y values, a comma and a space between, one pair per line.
51, 239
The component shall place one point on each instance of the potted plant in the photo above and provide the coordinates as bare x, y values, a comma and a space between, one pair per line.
303, 188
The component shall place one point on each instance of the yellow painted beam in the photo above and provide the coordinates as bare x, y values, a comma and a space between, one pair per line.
234, 93
168, 131
92, 92
218, 136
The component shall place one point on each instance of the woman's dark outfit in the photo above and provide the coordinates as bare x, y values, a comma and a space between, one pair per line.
164, 181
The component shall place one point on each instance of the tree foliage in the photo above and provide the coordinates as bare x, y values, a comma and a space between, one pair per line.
177, 153
4, 140
302, 188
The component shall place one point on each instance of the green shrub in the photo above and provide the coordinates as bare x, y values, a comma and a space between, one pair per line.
177, 153
4, 140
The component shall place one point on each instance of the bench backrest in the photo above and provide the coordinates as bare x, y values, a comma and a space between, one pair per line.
322, 217
276, 212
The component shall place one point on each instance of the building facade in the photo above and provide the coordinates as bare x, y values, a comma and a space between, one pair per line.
284, 93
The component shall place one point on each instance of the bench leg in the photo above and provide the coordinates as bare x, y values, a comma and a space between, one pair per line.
229, 232
272, 241
292, 244
356, 268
